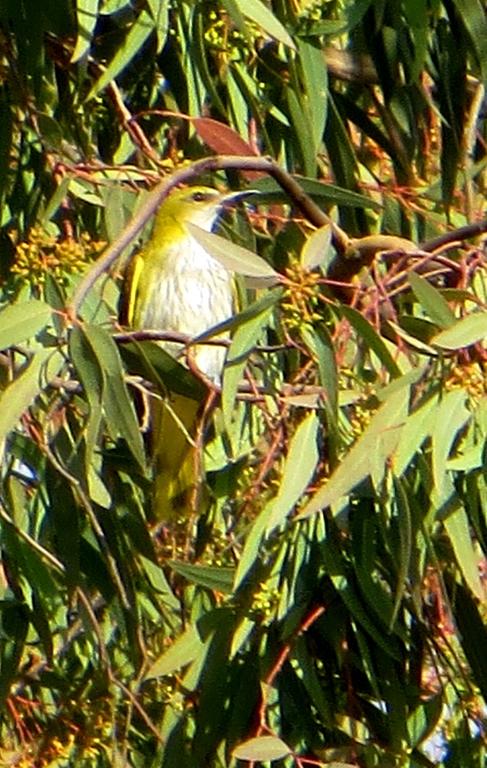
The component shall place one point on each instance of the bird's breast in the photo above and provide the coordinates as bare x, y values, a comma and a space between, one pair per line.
189, 292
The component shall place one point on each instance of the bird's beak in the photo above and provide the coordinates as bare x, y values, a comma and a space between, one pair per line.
233, 197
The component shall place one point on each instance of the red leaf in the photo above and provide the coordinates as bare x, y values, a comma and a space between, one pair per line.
224, 141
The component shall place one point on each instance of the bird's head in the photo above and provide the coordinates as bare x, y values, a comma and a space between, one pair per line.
198, 205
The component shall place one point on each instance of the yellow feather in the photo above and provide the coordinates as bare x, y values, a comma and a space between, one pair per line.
174, 285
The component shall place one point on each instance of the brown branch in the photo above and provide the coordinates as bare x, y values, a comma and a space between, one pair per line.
306, 205
282, 657
462, 233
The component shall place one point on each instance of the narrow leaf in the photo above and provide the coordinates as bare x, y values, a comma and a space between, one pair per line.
118, 407
233, 257
185, 649
451, 416
21, 393
431, 300
458, 530
86, 16
138, 34
375, 342
257, 12
19, 322
375, 446
262, 748
316, 248
215, 578
469, 330
297, 471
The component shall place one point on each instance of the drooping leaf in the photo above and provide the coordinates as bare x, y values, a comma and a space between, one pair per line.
136, 37
297, 471
22, 391
374, 447
118, 407
185, 649
464, 332
432, 301
233, 257
86, 15
256, 11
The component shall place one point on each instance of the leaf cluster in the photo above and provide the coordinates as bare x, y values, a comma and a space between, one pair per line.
329, 609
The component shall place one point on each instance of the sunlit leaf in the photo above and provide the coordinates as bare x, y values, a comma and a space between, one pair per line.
233, 257
262, 748
316, 248
376, 444
19, 322
297, 471
185, 649
464, 332
86, 14
432, 301
256, 11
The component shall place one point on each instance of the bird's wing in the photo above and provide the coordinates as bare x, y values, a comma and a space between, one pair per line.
128, 298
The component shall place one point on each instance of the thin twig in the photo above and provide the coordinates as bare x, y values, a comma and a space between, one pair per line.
306, 205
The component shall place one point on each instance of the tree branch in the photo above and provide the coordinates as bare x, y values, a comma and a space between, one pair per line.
306, 205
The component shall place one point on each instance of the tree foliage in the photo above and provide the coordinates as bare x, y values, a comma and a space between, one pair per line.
329, 610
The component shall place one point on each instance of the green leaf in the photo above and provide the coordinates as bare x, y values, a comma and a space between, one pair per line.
316, 248
262, 748
253, 544
451, 416
138, 34
244, 340
298, 469
417, 428
472, 633
323, 193
472, 13
405, 545
219, 579
315, 78
431, 300
19, 322
86, 14
458, 529
160, 13
373, 449
21, 393
469, 330
424, 719
186, 648
257, 12
91, 377
233, 257
303, 131
118, 406
375, 342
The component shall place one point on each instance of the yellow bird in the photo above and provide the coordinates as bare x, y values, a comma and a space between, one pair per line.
173, 284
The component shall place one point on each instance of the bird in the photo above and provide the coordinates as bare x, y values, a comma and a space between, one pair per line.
173, 284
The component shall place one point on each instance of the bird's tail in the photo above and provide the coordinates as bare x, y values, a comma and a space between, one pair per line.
178, 471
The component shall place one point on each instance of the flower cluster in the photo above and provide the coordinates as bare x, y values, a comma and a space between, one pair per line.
42, 253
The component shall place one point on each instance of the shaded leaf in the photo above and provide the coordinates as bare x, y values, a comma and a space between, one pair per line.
118, 407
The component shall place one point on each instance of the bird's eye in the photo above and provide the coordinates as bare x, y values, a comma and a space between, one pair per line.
200, 197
